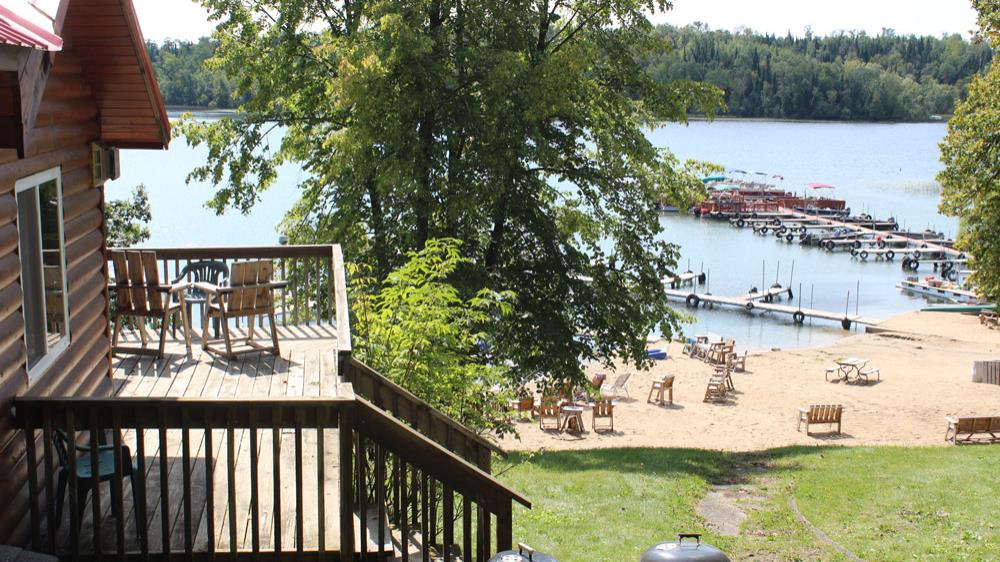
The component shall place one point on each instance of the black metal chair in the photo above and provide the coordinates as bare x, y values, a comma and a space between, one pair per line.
205, 271
84, 483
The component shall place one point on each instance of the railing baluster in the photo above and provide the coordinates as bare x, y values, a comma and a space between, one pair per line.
321, 479
295, 295
209, 514
449, 521
380, 495
284, 290
32, 459
50, 492
467, 528
404, 522
333, 290
231, 477
276, 460
425, 524
186, 481
74, 512
95, 483
164, 487
319, 293
362, 445
481, 534
118, 487
345, 423
254, 489
139, 492
432, 500
299, 515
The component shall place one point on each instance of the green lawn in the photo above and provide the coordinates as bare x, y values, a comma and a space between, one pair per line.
882, 503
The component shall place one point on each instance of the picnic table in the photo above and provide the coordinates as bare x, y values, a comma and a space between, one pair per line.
846, 366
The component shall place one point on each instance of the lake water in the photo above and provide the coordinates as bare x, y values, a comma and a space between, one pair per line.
883, 169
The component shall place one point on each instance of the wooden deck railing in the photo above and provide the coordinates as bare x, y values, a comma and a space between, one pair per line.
317, 282
420, 415
382, 466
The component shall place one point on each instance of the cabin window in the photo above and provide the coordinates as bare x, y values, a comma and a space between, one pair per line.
42, 249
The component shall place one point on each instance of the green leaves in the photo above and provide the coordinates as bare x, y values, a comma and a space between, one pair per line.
417, 330
971, 178
517, 128
128, 219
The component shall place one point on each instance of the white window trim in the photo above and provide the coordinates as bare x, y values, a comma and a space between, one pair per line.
52, 353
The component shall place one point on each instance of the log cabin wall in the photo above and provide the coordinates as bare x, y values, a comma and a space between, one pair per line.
67, 121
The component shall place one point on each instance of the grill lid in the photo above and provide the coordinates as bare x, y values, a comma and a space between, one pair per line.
687, 551
524, 553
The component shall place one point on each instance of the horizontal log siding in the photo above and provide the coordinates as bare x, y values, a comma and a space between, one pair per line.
67, 122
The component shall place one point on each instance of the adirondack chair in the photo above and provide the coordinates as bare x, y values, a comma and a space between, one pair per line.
986, 371
604, 410
140, 294
820, 414
737, 362
249, 293
661, 387
550, 417
619, 386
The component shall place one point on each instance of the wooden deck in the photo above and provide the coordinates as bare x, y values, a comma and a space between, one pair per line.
306, 367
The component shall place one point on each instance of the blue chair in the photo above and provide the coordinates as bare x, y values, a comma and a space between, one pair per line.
84, 483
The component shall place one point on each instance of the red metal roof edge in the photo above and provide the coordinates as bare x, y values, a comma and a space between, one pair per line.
18, 31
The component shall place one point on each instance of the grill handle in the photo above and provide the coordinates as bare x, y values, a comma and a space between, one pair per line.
522, 548
695, 536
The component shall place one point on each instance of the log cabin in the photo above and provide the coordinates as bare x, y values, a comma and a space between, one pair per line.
303, 452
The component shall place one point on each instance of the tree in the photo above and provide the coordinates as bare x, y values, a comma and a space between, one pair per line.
971, 154
414, 328
516, 127
128, 219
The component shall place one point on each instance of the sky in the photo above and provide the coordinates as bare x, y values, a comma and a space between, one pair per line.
185, 19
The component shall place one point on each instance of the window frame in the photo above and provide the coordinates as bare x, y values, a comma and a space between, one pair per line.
33, 182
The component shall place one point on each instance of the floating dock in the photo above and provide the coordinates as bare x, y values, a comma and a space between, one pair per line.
752, 301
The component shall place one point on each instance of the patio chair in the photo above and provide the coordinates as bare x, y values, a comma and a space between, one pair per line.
84, 483
661, 387
604, 410
716, 390
738, 362
620, 385
204, 271
139, 294
250, 293
550, 417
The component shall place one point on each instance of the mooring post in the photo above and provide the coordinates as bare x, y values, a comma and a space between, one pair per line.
763, 264
790, 275
800, 296
847, 305
857, 299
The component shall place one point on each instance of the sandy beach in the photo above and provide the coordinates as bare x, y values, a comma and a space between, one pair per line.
925, 361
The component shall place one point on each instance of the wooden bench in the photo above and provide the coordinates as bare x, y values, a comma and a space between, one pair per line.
867, 374
970, 427
820, 414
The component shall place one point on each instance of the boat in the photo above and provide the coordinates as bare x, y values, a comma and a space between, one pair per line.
963, 308
940, 289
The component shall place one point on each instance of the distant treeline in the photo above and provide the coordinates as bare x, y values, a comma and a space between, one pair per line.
848, 76
183, 78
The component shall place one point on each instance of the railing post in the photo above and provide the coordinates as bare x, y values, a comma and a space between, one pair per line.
346, 433
505, 527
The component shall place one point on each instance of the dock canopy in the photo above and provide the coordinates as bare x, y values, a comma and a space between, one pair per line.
707, 179
821, 186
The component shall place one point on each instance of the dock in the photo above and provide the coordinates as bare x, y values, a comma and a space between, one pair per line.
756, 301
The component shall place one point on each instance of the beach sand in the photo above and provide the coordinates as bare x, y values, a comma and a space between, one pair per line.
925, 361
